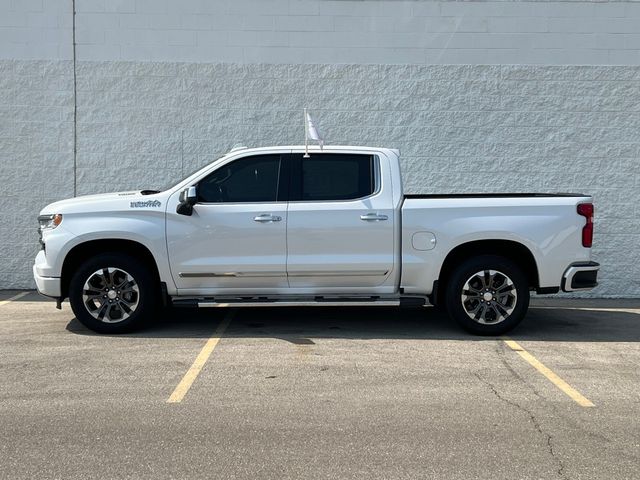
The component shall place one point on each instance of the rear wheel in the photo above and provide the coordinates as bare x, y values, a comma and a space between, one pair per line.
487, 295
113, 293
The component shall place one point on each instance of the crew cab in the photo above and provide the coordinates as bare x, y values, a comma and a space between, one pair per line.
276, 227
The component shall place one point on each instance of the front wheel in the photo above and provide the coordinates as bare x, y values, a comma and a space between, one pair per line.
487, 295
112, 293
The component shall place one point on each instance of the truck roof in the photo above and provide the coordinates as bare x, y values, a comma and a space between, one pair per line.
312, 148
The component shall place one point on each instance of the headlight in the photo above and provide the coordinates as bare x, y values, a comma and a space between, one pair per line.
49, 221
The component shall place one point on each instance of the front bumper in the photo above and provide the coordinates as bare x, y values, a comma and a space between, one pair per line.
49, 286
580, 276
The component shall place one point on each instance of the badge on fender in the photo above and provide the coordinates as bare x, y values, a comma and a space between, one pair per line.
146, 203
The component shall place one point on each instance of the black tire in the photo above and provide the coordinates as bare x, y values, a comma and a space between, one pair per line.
147, 296
504, 311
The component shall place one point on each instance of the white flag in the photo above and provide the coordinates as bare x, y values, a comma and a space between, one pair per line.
312, 131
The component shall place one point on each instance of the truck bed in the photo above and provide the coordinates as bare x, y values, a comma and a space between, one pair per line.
491, 195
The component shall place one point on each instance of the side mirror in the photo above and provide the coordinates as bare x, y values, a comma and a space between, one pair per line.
188, 198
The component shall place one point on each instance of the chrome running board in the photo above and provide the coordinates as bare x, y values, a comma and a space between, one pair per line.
227, 302
306, 303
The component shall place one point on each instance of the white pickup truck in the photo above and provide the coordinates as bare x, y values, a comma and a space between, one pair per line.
273, 227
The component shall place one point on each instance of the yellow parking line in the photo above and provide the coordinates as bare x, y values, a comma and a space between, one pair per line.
575, 395
193, 372
15, 297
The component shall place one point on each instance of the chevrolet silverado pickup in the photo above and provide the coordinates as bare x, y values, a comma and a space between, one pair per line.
276, 227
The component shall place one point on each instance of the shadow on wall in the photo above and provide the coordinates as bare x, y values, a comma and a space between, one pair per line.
303, 325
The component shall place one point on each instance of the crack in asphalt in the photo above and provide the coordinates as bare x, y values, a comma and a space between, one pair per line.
560, 467
501, 350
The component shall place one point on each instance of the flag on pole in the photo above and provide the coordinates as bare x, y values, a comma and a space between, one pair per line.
310, 132
313, 132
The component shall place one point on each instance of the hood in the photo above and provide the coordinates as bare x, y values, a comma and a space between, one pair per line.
107, 202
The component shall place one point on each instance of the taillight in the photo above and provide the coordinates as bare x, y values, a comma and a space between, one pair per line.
586, 210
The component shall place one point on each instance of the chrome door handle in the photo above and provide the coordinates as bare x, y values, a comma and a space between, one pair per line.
373, 217
267, 218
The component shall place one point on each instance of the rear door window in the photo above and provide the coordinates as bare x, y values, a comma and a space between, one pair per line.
335, 176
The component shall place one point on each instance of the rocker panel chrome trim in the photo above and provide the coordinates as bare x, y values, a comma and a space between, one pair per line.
349, 273
230, 274
306, 303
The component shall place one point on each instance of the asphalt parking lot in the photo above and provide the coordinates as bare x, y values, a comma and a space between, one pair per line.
320, 393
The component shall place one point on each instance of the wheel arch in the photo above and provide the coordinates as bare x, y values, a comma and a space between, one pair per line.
90, 248
515, 251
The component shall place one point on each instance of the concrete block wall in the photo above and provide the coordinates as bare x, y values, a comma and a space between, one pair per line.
479, 96
36, 156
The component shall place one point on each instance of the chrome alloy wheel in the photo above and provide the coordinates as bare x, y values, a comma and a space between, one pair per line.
110, 295
489, 297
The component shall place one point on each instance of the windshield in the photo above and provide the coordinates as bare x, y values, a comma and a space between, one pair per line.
173, 183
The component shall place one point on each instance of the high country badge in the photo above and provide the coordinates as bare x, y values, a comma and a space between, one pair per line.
146, 203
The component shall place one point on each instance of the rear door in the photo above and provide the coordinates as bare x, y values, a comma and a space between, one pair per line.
340, 230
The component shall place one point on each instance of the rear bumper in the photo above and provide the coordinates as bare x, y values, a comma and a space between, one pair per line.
48, 286
580, 276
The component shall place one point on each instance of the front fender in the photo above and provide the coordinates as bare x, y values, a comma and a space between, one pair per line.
146, 228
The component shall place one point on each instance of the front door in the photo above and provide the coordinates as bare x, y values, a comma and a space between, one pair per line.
236, 236
340, 223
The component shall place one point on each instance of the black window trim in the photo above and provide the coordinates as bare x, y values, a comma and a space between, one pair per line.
284, 183
295, 177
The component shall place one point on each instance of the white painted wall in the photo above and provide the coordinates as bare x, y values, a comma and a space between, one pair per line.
325, 31
36, 29
361, 31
